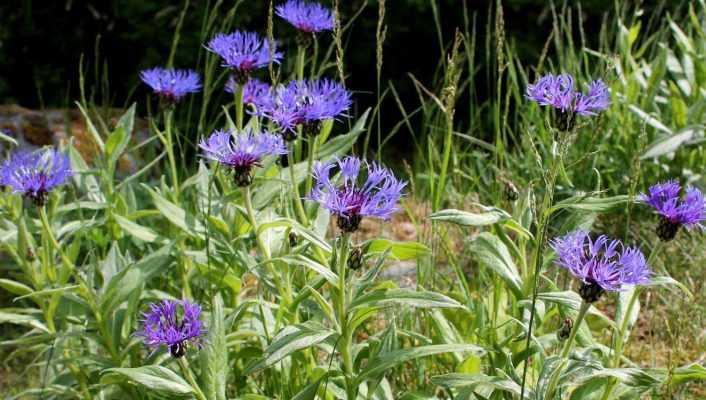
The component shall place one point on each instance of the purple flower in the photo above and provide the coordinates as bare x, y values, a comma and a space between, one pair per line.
597, 99
35, 174
306, 103
306, 16
165, 325
376, 196
254, 92
559, 93
675, 212
241, 153
171, 84
601, 264
243, 52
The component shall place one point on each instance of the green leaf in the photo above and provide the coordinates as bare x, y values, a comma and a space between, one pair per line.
339, 145
588, 203
493, 253
214, 355
384, 362
132, 277
291, 339
477, 380
92, 129
140, 232
153, 377
307, 234
488, 216
669, 144
15, 287
175, 214
668, 281
22, 319
399, 250
299, 259
115, 145
390, 297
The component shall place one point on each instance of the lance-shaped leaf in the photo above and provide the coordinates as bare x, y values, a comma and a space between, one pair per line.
152, 377
493, 253
391, 297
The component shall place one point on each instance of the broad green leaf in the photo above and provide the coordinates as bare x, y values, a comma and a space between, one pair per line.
399, 250
588, 203
668, 281
649, 120
690, 372
477, 380
115, 145
291, 339
487, 216
175, 214
22, 319
299, 259
214, 355
307, 234
154, 377
390, 297
378, 365
49, 292
141, 232
493, 253
15, 287
669, 144
132, 277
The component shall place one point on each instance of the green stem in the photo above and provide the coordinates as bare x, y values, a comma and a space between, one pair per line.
296, 197
313, 145
554, 380
47, 228
620, 339
301, 55
538, 257
342, 313
190, 378
239, 107
168, 116
448, 142
285, 292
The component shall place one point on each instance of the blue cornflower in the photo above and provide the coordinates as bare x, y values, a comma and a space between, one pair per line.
162, 326
601, 265
675, 212
306, 103
254, 92
376, 197
306, 16
243, 52
35, 174
242, 152
171, 84
559, 93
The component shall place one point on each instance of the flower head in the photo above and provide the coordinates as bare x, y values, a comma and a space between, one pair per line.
254, 92
601, 264
675, 212
242, 152
243, 52
559, 93
306, 103
376, 196
165, 325
35, 174
171, 84
306, 16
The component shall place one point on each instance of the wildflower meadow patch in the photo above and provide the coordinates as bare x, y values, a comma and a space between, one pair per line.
251, 245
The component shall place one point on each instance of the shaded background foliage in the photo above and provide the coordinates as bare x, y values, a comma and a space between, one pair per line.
42, 42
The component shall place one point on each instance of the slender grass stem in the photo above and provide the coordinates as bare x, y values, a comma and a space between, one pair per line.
313, 147
538, 257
